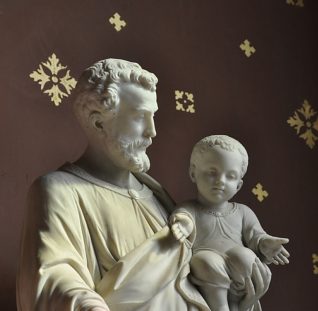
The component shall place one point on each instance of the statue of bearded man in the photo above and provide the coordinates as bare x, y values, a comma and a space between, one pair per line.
96, 236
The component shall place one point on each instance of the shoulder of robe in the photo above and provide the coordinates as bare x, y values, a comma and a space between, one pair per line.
54, 179
56, 185
52, 203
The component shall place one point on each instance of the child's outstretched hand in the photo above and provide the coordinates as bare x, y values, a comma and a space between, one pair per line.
274, 251
182, 226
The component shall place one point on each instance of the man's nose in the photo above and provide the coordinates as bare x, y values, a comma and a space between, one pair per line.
150, 130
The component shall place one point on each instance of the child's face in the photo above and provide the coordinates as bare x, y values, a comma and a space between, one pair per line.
218, 175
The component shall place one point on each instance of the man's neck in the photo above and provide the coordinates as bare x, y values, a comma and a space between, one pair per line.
103, 168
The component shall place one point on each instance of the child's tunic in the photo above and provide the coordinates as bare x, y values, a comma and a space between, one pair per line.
220, 232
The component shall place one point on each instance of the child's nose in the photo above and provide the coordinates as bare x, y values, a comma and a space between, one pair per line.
220, 179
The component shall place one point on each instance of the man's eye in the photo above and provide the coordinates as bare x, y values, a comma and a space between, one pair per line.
140, 116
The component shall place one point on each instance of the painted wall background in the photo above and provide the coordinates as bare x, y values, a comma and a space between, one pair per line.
207, 85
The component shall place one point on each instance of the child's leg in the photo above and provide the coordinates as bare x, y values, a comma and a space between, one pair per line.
240, 261
209, 273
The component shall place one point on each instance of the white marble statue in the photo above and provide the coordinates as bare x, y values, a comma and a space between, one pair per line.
96, 234
226, 237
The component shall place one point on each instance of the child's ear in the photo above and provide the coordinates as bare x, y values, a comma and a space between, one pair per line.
239, 185
191, 172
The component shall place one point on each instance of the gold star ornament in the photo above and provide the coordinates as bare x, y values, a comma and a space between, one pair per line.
305, 122
54, 79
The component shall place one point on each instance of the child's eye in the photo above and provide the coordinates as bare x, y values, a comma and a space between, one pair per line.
232, 176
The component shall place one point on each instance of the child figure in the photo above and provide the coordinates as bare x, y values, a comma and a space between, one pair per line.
227, 237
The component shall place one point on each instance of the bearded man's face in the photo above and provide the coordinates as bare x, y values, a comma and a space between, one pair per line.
131, 130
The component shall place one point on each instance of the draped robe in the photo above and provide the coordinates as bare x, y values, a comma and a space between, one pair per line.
90, 243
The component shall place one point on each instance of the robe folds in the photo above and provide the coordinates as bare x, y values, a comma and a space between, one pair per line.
89, 243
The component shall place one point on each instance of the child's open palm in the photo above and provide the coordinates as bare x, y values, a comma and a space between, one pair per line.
274, 251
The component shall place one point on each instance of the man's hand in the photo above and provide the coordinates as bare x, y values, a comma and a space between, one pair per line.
256, 286
272, 249
182, 227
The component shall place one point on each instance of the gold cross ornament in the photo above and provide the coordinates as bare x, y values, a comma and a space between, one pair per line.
247, 48
314, 261
259, 192
117, 22
295, 2
184, 101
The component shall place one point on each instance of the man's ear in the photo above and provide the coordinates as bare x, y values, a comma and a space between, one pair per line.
239, 185
192, 173
96, 121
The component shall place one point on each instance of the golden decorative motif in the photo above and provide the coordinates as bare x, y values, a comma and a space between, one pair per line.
305, 123
50, 73
247, 48
184, 101
296, 2
259, 192
314, 262
117, 22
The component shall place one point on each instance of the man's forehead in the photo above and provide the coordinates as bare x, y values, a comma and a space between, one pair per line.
138, 97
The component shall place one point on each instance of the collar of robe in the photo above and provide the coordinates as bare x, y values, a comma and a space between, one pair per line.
144, 193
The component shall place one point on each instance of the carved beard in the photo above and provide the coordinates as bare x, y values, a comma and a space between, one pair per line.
129, 154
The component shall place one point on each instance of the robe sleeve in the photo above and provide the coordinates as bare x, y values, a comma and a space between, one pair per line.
252, 230
58, 267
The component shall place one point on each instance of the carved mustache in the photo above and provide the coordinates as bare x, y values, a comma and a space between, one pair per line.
137, 144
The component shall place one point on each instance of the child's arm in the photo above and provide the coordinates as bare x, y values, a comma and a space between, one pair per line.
273, 250
260, 242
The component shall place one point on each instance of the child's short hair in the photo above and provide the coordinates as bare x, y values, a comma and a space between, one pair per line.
225, 142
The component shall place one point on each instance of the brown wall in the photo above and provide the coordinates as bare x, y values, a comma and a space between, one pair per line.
192, 45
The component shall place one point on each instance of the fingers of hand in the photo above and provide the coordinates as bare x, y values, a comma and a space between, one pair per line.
178, 234
285, 252
256, 285
257, 280
250, 290
183, 219
248, 299
276, 251
265, 275
281, 259
280, 240
284, 240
